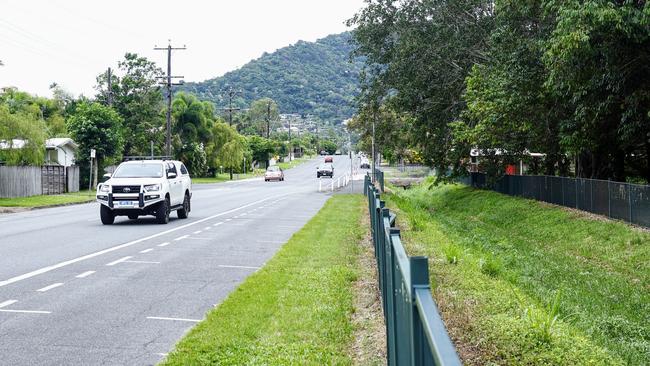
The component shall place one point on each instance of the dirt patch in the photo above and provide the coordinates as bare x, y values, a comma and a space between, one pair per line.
369, 347
8, 210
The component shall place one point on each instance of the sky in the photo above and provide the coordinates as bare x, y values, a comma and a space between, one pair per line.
70, 42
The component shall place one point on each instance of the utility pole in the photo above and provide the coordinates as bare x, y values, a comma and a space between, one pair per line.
230, 109
110, 87
290, 145
168, 83
374, 178
268, 120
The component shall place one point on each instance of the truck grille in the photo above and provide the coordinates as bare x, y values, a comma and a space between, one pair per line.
126, 189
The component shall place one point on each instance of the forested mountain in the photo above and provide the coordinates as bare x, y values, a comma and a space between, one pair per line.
306, 78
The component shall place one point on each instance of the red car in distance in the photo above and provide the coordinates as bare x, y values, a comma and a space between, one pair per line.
329, 159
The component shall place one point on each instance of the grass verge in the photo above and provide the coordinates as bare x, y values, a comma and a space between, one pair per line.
523, 282
297, 309
294, 162
225, 177
48, 200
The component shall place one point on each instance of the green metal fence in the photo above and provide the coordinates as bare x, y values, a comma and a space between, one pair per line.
415, 332
618, 200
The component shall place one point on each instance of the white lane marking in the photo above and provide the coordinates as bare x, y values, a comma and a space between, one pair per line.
163, 244
119, 260
125, 245
181, 237
207, 228
245, 267
47, 288
162, 354
85, 274
218, 223
143, 262
146, 250
7, 303
244, 214
25, 311
176, 319
228, 219
197, 232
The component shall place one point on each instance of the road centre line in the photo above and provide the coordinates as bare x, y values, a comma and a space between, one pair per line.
25, 311
176, 319
119, 260
146, 250
197, 232
218, 223
48, 288
181, 237
164, 244
142, 262
85, 274
125, 245
7, 303
207, 228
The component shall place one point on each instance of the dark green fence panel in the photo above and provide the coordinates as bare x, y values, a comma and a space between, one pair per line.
415, 333
622, 201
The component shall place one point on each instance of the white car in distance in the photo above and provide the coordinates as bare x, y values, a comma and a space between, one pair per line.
146, 187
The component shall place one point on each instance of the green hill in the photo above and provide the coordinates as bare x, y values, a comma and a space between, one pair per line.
307, 78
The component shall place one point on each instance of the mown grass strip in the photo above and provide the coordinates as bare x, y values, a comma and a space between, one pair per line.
523, 282
48, 200
225, 177
294, 162
296, 309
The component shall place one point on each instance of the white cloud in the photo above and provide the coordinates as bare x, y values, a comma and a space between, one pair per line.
71, 41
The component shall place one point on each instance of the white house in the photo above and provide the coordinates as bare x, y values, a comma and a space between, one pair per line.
60, 151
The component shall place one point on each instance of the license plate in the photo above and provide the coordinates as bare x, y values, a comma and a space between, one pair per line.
127, 203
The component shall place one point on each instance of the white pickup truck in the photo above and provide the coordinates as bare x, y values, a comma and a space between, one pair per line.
146, 187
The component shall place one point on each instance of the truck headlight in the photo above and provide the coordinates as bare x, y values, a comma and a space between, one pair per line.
152, 188
104, 188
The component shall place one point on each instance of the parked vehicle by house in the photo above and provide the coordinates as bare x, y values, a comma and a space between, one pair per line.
146, 187
274, 172
325, 170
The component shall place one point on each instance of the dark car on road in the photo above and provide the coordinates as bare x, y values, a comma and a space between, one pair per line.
365, 164
325, 170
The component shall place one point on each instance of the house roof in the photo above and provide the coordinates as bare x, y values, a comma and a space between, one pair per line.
59, 142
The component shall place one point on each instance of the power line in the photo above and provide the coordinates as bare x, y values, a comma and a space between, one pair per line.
168, 83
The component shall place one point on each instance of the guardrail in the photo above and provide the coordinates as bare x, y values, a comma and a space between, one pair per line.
415, 332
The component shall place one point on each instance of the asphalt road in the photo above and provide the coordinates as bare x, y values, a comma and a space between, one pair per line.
75, 292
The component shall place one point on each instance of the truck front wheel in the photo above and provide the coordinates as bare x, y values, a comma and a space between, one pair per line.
106, 214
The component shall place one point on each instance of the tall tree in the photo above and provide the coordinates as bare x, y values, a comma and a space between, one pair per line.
599, 59
95, 126
418, 53
137, 97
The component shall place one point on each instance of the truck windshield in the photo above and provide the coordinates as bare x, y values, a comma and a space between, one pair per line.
144, 170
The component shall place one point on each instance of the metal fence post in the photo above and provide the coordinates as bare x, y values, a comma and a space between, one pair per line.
419, 279
629, 200
609, 198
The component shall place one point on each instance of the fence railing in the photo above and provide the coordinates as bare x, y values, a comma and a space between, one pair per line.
617, 200
341, 181
415, 332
